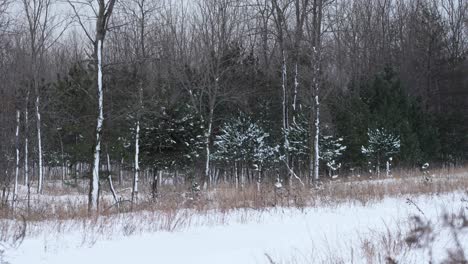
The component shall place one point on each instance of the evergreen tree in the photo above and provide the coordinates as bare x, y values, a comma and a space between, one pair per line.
71, 112
244, 140
298, 137
383, 103
331, 150
171, 140
381, 146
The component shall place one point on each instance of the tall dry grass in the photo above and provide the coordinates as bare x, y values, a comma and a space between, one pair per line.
63, 208
64, 202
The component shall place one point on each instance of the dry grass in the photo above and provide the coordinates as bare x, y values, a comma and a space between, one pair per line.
63, 209
63, 202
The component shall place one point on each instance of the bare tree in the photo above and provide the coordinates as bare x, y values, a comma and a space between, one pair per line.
15, 187
456, 12
301, 14
38, 19
102, 13
138, 14
216, 26
44, 28
279, 16
316, 47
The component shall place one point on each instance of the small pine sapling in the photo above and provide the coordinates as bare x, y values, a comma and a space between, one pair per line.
381, 145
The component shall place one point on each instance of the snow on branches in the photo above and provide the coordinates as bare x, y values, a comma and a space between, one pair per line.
242, 139
381, 145
331, 149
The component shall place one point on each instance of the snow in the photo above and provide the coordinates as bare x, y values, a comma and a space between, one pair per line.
240, 236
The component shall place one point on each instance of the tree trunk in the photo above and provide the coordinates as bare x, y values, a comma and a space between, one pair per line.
111, 185
26, 141
120, 171
207, 146
317, 135
236, 174
296, 86
94, 182
378, 167
63, 160
154, 185
39, 141
316, 82
160, 178
285, 111
388, 168
15, 188
259, 179
137, 164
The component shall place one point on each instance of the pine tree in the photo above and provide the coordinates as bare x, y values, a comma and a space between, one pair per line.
244, 140
381, 146
171, 140
298, 137
331, 150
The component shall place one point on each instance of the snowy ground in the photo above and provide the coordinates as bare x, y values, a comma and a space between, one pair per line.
310, 235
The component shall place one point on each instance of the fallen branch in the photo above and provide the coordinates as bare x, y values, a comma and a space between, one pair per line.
294, 174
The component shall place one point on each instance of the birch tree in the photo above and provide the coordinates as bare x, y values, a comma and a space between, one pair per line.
289, 42
17, 167
279, 16
102, 10
38, 25
138, 13
301, 13
217, 26
26, 140
316, 43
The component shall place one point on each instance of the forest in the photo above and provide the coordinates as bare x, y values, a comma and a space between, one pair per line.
238, 91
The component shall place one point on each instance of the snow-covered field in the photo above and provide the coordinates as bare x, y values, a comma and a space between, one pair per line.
344, 233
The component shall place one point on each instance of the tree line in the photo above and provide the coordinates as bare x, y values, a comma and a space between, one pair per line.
229, 90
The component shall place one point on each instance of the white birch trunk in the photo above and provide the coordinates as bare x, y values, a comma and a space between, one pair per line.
388, 168
137, 166
296, 86
111, 185
317, 135
26, 142
94, 186
285, 111
26, 165
39, 146
207, 148
63, 160
242, 176
120, 170
259, 180
316, 82
15, 188
236, 175
378, 168
160, 178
